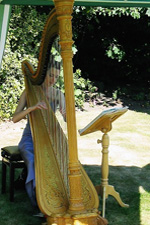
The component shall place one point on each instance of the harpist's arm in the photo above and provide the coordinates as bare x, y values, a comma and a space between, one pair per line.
21, 112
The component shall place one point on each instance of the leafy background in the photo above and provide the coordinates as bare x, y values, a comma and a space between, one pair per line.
111, 54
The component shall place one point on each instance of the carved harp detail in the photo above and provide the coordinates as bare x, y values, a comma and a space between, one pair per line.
52, 188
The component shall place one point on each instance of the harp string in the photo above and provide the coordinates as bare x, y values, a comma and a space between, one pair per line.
55, 115
52, 195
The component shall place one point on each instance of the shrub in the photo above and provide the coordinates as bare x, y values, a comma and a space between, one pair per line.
10, 92
84, 90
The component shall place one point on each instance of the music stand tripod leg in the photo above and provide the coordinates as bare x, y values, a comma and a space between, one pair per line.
116, 195
104, 202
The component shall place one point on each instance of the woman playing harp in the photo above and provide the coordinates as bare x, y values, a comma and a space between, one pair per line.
62, 185
56, 99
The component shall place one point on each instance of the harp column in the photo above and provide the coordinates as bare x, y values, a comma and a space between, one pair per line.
64, 10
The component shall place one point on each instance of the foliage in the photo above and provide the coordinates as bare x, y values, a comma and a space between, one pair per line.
84, 89
112, 57
84, 16
115, 51
11, 82
22, 43
141, 96
25, 36
118, 55
9, 93
91, 12
23, 40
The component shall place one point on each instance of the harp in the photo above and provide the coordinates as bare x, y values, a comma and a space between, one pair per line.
64, 192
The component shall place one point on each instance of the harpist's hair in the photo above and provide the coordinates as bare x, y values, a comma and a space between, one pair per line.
53, 63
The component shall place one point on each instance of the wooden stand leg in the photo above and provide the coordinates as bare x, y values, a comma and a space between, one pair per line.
104, 189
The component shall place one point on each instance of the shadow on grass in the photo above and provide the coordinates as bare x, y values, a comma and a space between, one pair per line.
19, 212
138, 106
128, 182
135, 105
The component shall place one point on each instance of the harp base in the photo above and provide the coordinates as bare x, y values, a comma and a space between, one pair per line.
81, 219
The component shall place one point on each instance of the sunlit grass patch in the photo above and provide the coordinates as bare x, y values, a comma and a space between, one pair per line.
144, 206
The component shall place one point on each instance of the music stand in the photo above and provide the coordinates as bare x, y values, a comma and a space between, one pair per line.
103, 123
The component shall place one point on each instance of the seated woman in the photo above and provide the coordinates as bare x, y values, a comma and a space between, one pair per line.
26, 144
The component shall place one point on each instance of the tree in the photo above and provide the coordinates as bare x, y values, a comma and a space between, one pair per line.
23, 41
113, 46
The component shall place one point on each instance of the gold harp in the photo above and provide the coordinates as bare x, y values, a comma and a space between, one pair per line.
65, 196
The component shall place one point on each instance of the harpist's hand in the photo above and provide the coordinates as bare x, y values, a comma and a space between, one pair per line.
39, 105
20, 112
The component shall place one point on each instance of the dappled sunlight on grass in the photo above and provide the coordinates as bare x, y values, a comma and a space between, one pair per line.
144, 206
129, 169
128, 181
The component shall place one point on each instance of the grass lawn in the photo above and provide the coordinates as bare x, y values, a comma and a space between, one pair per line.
19, 212
129, 165
129, 171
